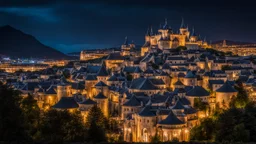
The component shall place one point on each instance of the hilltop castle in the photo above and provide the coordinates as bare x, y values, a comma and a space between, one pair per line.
166, 38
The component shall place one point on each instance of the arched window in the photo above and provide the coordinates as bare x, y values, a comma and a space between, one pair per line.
145, 135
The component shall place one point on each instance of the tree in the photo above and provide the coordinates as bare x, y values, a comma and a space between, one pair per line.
61, 126
129, 77
155, 66
241, 100
155, 138
226, 123
95, 114
240, 133
181, 48
202, 106
11, 116
31, 113
97, 124
226, 67
96, 133
203, 132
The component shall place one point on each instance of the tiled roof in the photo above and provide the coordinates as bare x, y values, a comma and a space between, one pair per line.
51, 90
226, 88
190, 75
114, 56
100, 96
100, 84
178, 105
198, 91
66, 103
146, 112
171, 119
143, 84
91, 77
102, 71
78, 85
178, 83
88, 102
133, 102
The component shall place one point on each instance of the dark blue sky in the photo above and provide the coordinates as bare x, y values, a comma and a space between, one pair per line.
75, 25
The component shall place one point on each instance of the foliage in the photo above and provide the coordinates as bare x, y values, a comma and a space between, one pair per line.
129, 77
181, 48
61, 126
66, 74
155, 66
97, 124
199, 104
204, 131
31, 113
229, 125
95, 114
175, 140
155, 138
241, 100
226, 67
215, 52
21, 120
11, 116
96, 133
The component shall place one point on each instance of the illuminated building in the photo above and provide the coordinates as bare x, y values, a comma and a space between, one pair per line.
24, 67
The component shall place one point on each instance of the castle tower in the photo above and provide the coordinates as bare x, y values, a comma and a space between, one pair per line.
224, 44
153, 40
193, 37
102, 74
147, 36
183, 28
164, 30
63, 89
125, 48
102, 103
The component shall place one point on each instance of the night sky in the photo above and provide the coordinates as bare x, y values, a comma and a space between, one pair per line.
75, 25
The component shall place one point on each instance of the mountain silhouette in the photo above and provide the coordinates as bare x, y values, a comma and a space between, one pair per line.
16, 44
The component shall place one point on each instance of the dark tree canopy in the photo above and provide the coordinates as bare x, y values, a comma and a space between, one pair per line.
12, 120
62, 126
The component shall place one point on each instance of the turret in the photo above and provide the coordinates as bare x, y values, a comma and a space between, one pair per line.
193, 37
164, 30
125, 47
147, 36
183, 28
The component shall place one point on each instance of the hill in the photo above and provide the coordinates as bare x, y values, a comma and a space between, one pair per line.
230, 42
16, 44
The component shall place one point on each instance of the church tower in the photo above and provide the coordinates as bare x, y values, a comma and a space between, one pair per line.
183, 28
224, 44
125, 48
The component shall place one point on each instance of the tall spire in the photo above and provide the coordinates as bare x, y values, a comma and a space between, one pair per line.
151, 31
199, 37
126, 41
182, 23
148, 33
165, 24
193, 32
165, 21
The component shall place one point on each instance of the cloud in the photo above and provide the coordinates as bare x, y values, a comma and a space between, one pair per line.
45, 14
